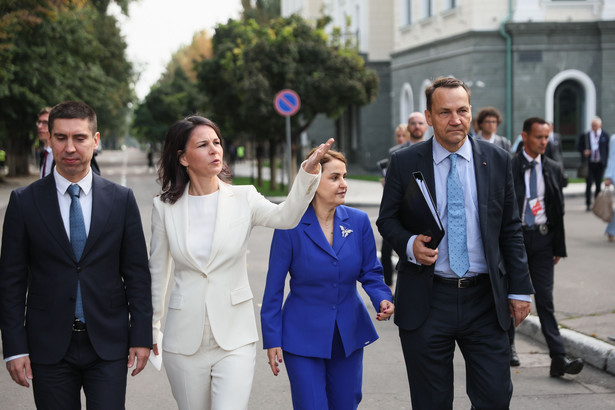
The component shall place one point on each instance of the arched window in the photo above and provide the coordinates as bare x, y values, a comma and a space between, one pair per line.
568, 112
406, 104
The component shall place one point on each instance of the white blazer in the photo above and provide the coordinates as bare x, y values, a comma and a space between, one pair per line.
219, 288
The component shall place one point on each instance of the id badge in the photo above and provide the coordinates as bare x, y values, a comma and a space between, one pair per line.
535, 206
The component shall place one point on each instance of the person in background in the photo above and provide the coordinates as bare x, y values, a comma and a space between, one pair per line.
46, 156
330, 250
201, 225
471, 183
594, 147
487, 120
74, 254
609, 176
538, 184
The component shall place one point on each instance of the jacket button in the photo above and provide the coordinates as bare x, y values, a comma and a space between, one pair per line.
78, 268
333, 307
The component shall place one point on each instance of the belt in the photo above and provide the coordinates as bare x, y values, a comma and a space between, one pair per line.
543, 229
78, 326
462, 283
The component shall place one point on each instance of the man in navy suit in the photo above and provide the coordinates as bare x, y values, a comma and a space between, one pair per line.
439, 300
594, 147
75, 294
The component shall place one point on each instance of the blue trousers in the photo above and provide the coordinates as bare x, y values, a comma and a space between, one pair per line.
326, 384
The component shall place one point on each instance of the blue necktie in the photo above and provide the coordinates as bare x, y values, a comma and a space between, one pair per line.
457, 235
529, 216
77, 239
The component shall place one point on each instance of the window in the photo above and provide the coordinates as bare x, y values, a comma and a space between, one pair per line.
449, 4
406, 12
426, 9
569, 101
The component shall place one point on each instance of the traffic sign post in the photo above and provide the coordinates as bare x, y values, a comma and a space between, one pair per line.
287, 104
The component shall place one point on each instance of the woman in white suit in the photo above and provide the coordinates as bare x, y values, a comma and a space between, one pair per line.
202, 224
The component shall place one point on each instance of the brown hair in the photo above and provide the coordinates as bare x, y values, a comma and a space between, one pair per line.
171, 174
445, 82
485, 112
329, 156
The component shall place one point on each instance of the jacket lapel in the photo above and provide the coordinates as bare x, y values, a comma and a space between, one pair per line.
481, 171
314, 232
425, 165
103, 198
179, 212
46, 200
224, 212
341, 229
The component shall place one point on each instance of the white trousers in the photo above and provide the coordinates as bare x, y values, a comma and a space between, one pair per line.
212, 378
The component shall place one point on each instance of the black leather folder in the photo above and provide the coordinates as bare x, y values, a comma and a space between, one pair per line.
419, 213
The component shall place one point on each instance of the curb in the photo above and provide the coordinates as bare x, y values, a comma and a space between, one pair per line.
593, 351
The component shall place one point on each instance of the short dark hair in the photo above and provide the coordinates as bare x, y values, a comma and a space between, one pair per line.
485, 112
44, 110
444, 82
73, 109
172, 175
529, 123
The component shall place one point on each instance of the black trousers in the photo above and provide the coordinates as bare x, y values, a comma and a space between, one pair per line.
385, 258
595, 173
540, 261
58, 386
466, 317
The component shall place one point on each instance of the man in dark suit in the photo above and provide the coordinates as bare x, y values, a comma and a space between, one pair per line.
459, 292
594, 147
75, 294
538, 184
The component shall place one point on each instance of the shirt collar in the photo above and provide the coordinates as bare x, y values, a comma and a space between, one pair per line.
62, 183
598, 132
538, 159
440, 153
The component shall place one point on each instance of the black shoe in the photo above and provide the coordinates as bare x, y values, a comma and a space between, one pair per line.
562, 364
514, 358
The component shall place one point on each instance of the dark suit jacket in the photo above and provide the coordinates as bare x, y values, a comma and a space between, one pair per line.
500, 228
554, 197
603, 146
39, 272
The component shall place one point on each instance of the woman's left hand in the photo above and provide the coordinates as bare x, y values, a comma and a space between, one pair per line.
386, 310
312, 164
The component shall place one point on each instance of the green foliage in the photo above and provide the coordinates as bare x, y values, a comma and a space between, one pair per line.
252, 62
166, 103
54, 51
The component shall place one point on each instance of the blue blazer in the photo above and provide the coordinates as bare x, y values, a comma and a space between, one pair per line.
323, 286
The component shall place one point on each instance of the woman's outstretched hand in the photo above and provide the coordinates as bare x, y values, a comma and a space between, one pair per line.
312, 164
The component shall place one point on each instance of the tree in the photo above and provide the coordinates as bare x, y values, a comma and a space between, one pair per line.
175, 95
252, 62
56, 50
167, 102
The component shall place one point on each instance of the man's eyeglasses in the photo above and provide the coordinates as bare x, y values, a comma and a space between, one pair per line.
42, 123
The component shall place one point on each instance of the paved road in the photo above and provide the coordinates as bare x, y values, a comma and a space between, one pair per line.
584, 300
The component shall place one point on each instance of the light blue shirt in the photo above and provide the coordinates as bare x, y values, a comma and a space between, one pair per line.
476, 251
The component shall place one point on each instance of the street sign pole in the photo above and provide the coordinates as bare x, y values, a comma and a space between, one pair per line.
287, 104
289, 155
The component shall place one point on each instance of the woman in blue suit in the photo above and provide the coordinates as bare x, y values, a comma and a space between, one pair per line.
324, 324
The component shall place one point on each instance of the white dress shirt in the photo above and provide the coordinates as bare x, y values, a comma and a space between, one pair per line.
541, 217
